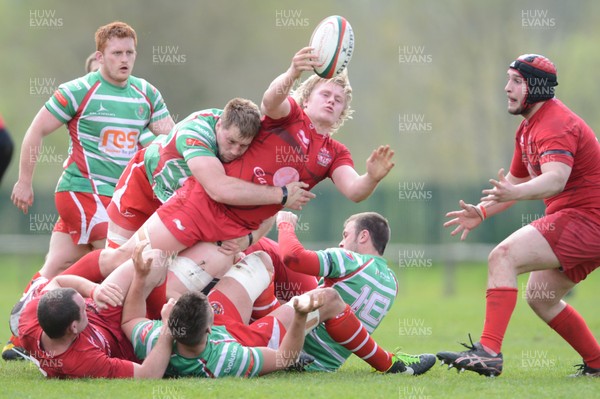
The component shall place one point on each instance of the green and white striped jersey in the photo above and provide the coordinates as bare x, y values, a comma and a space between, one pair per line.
166, 159
104, 123
223, 355
365, 283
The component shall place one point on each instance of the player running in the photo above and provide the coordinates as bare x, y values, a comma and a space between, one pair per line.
104, 111
556, 159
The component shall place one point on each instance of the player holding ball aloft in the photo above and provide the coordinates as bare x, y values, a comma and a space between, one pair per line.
301, 124
556, 159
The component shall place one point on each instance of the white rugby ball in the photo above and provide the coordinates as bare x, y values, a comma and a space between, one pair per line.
333, 41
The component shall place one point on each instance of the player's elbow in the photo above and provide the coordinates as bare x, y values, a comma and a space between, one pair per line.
357, 197
292, 263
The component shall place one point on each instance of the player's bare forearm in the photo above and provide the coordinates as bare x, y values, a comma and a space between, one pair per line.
162, 126
274, 102
277, 93
361, 188
78, 283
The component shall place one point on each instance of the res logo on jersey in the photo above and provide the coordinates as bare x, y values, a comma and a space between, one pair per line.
116, 142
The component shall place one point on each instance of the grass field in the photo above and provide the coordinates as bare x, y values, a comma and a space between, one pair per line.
537, 362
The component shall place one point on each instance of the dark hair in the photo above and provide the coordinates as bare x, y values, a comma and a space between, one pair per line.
377, 226
190, 318
57, 310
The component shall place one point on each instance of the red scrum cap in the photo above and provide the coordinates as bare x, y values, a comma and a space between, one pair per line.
540, 74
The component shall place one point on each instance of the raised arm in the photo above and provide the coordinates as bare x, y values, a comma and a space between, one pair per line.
274, 102
294, 255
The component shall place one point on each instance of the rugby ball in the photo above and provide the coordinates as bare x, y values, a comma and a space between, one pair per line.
333, 43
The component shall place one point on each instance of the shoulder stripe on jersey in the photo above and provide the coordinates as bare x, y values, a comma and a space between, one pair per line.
71, 97
557, 152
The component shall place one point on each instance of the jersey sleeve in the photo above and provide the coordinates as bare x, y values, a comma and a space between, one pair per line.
337, 262
64, 102
559, 146
196, 139
144, 336
342, 157
159, 108
146, 137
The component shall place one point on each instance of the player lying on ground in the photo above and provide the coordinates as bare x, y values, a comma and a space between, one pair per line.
203, 349
71, 327
231, 304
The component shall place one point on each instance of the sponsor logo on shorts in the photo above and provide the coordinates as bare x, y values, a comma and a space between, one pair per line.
178, 224
127, 214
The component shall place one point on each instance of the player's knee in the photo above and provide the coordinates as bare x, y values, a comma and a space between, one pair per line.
254, 272
266, 261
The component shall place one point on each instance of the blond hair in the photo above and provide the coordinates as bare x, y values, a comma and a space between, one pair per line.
303, 92
244, 114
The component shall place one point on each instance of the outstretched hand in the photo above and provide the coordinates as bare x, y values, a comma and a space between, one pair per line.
466, 219
308, 302
502, 190
380, 162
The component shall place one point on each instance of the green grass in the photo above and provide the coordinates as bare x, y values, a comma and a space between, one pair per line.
423, 319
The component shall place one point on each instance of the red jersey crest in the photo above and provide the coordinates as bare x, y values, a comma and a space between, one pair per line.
323, 158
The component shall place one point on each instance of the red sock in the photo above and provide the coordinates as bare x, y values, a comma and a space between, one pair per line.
36, 275
15, 340
265, 303
156, 300
570, 325
349, 332
499, 306
88, 267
